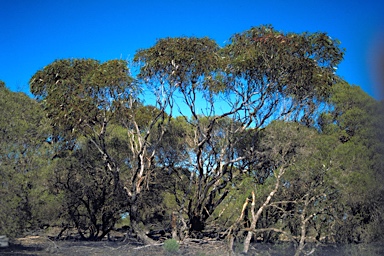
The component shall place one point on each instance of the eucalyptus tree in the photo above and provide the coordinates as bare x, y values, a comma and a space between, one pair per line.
81, 97
180, 64
283, 200
332, 183
356, 122
262, 74
303, 206
24, 170
99, 121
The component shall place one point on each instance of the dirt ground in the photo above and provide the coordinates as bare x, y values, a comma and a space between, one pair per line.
39, 245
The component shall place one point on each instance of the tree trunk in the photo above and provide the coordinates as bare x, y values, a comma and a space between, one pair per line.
303, 226
300, 248
135, 220
256, 216
234, 228
174, 225
197, 224
248, 239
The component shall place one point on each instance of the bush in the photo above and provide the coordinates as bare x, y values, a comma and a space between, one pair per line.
171, 245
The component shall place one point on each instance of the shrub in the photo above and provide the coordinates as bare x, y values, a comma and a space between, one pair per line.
171, 245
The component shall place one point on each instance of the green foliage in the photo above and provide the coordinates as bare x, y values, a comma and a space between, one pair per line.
181, 61
171, 245
24, 169
296, 65
79, 95
176, 141
228, 211
260, 75
93, 199
89, 151
357, 161
82, 98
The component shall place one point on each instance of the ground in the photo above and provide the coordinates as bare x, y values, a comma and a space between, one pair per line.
39, 245
42, 245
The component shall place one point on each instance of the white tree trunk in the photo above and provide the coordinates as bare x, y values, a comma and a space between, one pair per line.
256, 216
4, 241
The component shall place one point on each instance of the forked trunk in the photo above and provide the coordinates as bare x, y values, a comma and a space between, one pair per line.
256, 215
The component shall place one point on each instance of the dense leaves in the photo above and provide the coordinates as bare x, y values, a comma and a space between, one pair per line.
357, 161
181, 61
278, 66
24, 169
82, 98
79, 95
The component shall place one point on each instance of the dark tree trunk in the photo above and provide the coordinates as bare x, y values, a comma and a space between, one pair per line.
197, 224
135, 228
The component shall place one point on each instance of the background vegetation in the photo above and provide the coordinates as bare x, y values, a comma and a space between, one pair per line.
256, 141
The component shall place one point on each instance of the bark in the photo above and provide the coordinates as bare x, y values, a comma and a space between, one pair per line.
174, 225
247, 240
303, 226
256, 216
135, 228
303, 230
234, 228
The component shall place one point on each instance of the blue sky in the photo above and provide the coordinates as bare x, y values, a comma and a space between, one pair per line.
34, 33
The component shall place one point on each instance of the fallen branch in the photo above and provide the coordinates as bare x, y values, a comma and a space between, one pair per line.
148, 245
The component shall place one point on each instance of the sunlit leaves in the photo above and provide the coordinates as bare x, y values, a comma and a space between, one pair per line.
262, 66
81, 93
182, 61
297, 65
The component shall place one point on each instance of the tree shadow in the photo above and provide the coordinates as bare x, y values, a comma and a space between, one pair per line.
18, 249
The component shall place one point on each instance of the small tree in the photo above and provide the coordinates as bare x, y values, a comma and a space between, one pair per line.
81, 98
24, 170
356, 124
86, 102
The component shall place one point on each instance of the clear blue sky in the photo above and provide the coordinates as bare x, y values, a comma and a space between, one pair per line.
33, 33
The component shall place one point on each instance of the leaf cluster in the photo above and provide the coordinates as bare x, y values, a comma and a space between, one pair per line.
181, 61
80, 94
